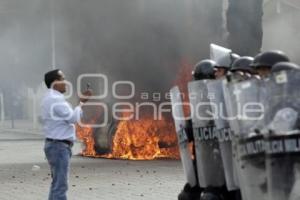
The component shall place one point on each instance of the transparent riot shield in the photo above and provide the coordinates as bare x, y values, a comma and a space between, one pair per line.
185, 154
249, 97
283, 139
232, 113
209, 163
231, 106
221, 55
224, 131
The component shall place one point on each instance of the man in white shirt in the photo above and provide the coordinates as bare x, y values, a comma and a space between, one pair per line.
59, 127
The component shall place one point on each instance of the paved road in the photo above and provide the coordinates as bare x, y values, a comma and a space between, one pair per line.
89, 178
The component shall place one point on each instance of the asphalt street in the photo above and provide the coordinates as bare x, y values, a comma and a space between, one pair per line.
24, 173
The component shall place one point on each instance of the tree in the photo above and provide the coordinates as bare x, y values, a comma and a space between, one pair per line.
244, 25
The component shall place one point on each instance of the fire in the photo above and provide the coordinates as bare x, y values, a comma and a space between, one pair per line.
85, 134
144, 139
184, 75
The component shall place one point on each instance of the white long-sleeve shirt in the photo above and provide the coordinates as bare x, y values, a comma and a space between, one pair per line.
58, 117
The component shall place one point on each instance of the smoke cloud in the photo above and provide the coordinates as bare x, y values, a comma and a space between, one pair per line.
144, 41
137, 40
282, 29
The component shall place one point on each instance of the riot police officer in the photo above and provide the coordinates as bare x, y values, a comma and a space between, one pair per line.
221, 69
224, 64
283, 132
202, 70
284, 66
205, 72
250, 142
207, 153
205, 69
264, 61
241, 69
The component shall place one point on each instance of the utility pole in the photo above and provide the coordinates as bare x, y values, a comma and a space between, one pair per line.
53, 35
34, 111
2, 108
12, 112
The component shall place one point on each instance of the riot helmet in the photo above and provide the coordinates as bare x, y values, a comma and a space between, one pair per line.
264, 61
284, 66
204, 70
243, 64
224, 64
234, 57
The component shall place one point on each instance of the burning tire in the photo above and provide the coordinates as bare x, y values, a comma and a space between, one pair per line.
103, 137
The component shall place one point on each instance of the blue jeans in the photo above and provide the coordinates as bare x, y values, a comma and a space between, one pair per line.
58, 155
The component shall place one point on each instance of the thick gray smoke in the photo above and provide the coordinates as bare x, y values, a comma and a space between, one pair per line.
140, 41
24, 41
137, 40
282, 28
144, 41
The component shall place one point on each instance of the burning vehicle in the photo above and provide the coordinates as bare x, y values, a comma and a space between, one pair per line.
137, 131
136, 139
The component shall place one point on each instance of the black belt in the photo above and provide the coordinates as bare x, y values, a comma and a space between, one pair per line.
68, 142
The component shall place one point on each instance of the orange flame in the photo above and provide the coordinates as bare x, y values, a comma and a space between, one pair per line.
184, 76
141, 139
85, 134
144, 139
